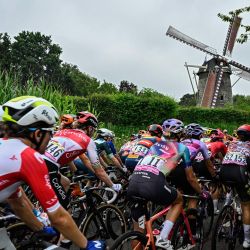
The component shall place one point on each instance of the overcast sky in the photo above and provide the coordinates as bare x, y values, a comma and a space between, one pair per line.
115, 40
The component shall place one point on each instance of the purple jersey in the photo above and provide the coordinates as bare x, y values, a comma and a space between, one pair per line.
195, 147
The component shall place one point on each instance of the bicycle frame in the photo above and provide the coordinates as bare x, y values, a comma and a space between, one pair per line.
149, 231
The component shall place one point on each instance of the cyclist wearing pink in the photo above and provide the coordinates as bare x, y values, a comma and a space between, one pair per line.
235, 169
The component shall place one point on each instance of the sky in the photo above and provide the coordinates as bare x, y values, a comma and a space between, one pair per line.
115, 40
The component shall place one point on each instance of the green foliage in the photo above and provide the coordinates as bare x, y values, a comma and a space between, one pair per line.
130, 110
188, 100
214, 117
127, 87
241, 102
243, 37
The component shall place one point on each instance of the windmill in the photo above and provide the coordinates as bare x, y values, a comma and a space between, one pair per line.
214, 87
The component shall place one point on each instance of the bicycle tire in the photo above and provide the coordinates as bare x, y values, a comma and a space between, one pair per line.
107, 223
124, 241
208, 218
179, 235
223, 229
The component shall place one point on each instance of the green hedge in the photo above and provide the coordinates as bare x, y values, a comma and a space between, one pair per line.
207, 116
128, 109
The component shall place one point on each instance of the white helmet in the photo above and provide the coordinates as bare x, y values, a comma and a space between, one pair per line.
29, 110
104, 132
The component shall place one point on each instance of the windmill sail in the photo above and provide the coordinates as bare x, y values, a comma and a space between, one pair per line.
176, 34
241, 73
209, 90
231, 36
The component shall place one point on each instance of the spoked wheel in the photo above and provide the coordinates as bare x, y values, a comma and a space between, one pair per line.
130, 240
222, 237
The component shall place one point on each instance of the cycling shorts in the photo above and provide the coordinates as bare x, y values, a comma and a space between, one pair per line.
55, 178
237, 176
155, 189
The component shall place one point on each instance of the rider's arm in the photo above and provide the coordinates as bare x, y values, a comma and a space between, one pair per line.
72, 167
94, 159
40, 185
21, 207
86, 162
191, 178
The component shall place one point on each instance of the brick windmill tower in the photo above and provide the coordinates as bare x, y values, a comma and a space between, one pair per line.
214, 87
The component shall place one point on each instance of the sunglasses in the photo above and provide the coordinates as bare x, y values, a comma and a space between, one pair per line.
50, 130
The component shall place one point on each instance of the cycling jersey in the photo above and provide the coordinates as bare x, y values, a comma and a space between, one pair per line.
164, 156
103, 146
67, 144
19, 164
237, 154
112, 147
214, 149
195, 147
125, 149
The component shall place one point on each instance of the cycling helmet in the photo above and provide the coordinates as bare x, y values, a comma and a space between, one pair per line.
244, 132
67, 119
30, 111
103, 132
216, 134
155, 130
173, 125
194, 129
87, 119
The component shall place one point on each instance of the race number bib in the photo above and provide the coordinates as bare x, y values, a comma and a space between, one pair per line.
54, 150
140, 150
235, 158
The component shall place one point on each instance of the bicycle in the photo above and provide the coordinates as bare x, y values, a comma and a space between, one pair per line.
180, 235
103, 221
228, 227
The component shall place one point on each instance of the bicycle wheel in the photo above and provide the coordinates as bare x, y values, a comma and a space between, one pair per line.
222, 237
207, 217
179, 236
106, 223
130, 240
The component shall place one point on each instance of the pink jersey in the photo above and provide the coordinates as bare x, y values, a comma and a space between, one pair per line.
67, 144
238, 153
20, 163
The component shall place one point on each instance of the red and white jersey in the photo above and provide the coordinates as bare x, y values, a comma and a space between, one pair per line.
20, 163
67, 144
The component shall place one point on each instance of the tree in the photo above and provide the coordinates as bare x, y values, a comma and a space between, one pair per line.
187, 100
34, 56
148, 92
108, 88
5, 51
127, 87
228, 18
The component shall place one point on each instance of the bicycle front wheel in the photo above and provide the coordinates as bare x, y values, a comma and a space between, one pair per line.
107, 222
129, 241
222, 237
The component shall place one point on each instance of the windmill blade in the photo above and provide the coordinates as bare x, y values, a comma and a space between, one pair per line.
239, 66
209, 90
231, 36
241, 73
176, 34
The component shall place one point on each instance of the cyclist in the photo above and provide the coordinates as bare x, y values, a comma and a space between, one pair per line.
28, 129
193, 133
149, 181
235, 168
125, 149
104, 150
67, 144
66, 121
141, 147
183, 176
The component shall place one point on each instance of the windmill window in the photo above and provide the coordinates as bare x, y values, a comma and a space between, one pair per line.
221, 97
